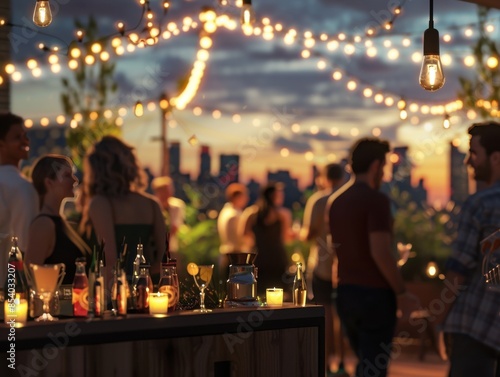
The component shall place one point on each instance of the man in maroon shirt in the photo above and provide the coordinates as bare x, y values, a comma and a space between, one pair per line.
370, 286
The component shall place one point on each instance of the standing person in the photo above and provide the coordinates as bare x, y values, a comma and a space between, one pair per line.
473, 320
117, 208
227, 224
51, 238
321, 257
370, 286
18, 198
266, 227
174, 211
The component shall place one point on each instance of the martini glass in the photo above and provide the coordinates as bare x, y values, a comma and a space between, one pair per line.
46, 279
202, 279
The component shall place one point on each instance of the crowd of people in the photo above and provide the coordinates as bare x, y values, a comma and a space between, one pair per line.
349, 225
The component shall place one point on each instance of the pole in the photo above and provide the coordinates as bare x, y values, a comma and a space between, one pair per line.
165, 157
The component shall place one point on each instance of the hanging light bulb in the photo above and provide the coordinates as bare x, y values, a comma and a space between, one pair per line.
193, 140
431, 73
138, 109
42, 16
446, 121
247, 13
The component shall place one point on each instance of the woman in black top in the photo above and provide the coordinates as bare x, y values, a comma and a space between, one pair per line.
51, 238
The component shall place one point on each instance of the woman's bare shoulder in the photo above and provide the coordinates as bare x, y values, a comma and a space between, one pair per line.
42, 224
144, 197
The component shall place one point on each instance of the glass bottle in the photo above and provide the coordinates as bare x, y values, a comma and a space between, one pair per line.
98, 295
138, 261
16, 285
142, 289
118, 292
299, 287
92, 277
80, 290
169, 283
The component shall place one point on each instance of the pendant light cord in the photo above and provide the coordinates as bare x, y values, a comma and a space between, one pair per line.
431, 14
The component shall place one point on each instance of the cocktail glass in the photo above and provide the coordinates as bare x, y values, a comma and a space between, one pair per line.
202, 279
46, 279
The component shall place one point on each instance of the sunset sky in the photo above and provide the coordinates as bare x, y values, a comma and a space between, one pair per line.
278, 108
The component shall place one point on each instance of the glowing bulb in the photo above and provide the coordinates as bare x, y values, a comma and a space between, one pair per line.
138, 109
446, 122
247, 13
431, 73
432, 269
42, 16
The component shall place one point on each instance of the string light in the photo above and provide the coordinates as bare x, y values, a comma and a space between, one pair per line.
138, 109
446, 121
291, 33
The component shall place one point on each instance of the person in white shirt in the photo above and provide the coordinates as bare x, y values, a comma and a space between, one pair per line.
227, 224
175, 211
18, 198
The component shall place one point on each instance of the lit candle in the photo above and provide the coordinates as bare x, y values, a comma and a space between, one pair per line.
158, 304
274, 296
16, 311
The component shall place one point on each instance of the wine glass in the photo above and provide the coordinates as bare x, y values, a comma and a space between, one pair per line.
46, 279
202, 275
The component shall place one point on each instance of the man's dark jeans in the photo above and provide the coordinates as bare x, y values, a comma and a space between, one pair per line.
472, 358
368, 316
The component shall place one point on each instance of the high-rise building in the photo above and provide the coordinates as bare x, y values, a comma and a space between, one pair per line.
229, 170
459, 179
401, 167
175, 157
4, 56
205, 165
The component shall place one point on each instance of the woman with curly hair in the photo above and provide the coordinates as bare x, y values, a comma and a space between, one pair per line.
117, 208
51, 239
266, 228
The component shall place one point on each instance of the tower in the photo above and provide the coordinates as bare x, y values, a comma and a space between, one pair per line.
205, 165
175, 157
229, 170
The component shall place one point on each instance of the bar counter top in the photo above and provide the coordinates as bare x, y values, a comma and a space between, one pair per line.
243, 342
87, 331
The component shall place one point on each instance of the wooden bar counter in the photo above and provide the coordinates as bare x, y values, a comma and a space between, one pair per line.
259, 342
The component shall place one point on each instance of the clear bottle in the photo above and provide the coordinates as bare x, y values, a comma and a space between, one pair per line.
299, 287
16, 285
138, 261
169, 283
118, 292
80, 290
142, 289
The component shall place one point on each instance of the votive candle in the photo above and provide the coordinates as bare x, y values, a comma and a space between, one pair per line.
16, 311
274, 296
158, 304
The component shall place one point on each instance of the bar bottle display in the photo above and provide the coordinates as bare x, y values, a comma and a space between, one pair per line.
299, 287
